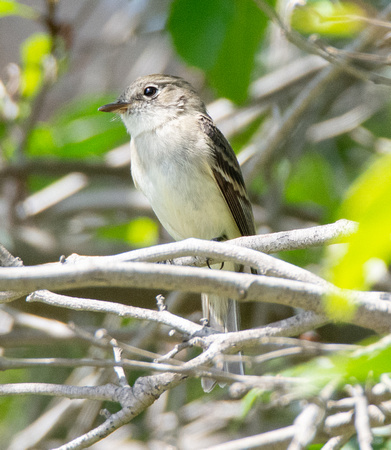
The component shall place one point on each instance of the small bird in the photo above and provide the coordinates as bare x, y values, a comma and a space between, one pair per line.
189, 173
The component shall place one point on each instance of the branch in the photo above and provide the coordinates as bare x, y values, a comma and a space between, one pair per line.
41, 166
340, 425
85, 304
266, 149
340, 59
205, 250
133, 400
7, 260
373, 309
266, 243
311, 419
361, 418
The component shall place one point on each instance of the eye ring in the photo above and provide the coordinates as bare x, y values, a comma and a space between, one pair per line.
150, 91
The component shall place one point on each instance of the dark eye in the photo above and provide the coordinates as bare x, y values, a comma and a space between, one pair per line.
150, 91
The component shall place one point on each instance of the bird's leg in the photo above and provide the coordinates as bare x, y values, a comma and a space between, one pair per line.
217, 239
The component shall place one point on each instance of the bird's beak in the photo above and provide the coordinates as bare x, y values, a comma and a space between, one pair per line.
117, 107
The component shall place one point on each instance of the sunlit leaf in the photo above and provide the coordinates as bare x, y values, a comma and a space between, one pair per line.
356, 366
140, 232
33, 52
368, 203
14, 8
370, 362
325, 17
41, 140
221, 37
35, 48
339, 307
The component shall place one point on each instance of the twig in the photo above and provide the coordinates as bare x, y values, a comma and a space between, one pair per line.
22, 363
329, 53
276, 439
266, 243
79, 304
337, 442
288, 327
303, 348
105, 342
340, 426
311, 419
7, 260
118, 369
265, 150
361, 417
134, 400
41, 166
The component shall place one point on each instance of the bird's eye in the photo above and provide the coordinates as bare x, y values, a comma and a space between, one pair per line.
150, 91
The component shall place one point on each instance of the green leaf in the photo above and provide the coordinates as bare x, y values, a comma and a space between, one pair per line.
368, 363
231, 75
143, 232
220, 37
79, 131
251, 398
13, 8
325, 17
34, 50
368, 250
140, 232
312, 182
371, 361
198, 29
339, 307
41, 141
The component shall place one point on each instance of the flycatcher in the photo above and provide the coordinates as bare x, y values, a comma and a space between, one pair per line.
189, 173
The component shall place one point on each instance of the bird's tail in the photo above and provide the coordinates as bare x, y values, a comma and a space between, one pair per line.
223, 315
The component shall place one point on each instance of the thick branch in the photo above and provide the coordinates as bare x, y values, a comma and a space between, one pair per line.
373, 310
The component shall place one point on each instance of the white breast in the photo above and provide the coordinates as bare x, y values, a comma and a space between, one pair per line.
174, 175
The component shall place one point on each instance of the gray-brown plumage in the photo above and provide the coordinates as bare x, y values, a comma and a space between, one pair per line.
188, 171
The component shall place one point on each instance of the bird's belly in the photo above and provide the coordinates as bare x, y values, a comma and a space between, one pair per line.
190, 205
202, 217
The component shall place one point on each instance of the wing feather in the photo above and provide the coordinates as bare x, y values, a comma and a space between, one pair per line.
229, 178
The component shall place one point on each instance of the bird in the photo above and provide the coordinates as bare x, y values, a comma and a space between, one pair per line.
190, 175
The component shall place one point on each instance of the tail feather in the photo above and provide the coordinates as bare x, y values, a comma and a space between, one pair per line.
223, 315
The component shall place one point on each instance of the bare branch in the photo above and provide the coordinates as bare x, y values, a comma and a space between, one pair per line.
178, 252
310, 421
276, 438
373, 309
135, 400
329, 53
361, 418
79, 304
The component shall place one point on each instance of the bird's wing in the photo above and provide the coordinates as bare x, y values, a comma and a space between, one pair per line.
229, 178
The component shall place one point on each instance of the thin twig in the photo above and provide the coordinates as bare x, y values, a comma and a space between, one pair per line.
361, 417
329, 53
